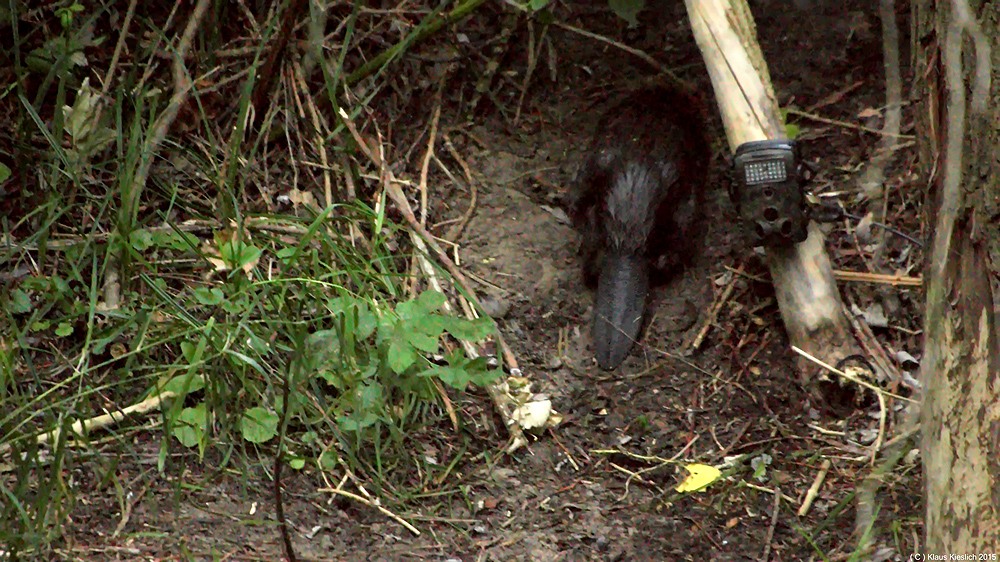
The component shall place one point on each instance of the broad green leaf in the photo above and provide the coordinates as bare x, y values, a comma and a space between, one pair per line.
337, 305
180, 241
176, 384
285, 254
366, 322
423, 342
322, 351
19, 302
428, 324
140, 240
459, 376
240, 255
188, 350
455, 377
248, 256
368, 371
406, 311
208, 296
369, 396
427, 302
60, 285
401, 354
235, 306
430, 300
628, 10
327, 460
189, 427
259, 425
357, 422
332, 378
387, 324
467, 330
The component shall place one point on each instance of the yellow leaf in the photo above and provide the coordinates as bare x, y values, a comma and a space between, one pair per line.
699, 477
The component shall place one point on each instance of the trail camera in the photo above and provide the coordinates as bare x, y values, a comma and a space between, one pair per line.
768, 191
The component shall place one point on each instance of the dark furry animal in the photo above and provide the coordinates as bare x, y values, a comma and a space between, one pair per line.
638, 205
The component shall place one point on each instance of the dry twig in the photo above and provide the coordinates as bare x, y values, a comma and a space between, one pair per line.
456, 231
774, 523
814, 489
713, 314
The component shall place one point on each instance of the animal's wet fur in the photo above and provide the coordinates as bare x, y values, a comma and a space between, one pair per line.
639, 194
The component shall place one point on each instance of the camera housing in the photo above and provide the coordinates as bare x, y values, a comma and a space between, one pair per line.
769, 192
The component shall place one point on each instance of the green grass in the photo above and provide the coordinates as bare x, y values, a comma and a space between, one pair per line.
151, 266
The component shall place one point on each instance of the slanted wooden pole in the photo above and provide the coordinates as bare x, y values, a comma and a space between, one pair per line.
803, 279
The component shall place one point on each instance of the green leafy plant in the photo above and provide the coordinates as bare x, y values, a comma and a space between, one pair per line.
66, 13
176, 295
374, 362
374, 353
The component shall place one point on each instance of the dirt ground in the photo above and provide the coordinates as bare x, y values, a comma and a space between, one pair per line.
564, 497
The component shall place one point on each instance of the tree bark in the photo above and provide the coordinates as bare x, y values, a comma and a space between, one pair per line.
960, 414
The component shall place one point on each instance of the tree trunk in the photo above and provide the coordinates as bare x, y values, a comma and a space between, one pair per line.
960, 417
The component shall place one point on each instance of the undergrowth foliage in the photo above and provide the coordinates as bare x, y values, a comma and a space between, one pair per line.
164, 293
